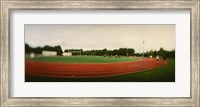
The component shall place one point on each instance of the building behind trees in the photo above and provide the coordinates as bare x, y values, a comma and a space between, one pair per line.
100, 52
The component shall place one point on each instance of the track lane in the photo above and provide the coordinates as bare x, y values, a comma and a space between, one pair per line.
68, 70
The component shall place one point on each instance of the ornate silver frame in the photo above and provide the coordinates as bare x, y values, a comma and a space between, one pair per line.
8, 5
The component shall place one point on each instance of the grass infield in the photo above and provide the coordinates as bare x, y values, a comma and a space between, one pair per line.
83, 59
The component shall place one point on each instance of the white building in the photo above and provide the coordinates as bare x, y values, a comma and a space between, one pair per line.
49, 53
67, 54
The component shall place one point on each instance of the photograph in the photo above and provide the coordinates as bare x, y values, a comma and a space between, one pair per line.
99, 52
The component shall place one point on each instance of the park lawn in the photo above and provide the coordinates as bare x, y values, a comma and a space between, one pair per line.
165, 73
82, 59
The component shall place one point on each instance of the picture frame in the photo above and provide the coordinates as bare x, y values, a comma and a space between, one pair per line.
7, 6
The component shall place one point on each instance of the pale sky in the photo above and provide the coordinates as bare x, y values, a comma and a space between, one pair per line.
100, 36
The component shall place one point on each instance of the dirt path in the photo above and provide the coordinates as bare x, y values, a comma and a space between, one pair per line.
67, 70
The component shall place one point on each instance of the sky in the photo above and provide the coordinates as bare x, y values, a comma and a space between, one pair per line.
100, 36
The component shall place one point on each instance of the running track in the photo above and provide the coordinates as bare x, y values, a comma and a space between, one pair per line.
72, 70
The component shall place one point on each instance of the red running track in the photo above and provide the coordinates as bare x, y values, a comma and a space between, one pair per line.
74, 70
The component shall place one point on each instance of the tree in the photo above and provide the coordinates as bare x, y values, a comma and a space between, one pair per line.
171, 54
104, 51
131, 51
58, 49
146, 54
154, 53
151, 53
162, 52
115, 52
28, 49
109, 52
123, 51
47, 48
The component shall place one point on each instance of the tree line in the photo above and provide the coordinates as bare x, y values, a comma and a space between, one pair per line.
38, 50
100, 52
154, 53
104, 52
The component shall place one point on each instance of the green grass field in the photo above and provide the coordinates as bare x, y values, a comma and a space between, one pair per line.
83, 59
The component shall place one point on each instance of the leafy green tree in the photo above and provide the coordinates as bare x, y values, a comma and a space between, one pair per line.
38, 50
115, 52
104, 51
28, 49
162, 52
58, 49
131, 51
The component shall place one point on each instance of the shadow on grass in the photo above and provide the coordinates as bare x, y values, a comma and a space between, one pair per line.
165, 73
